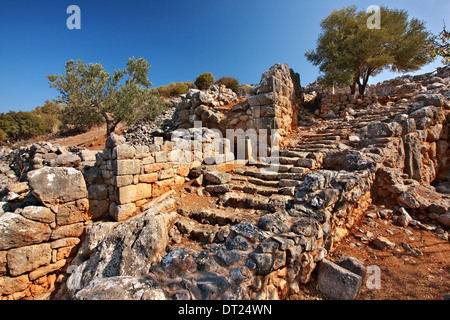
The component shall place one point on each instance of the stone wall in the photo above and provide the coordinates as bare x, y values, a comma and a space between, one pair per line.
273, 104
344, 105
43, 219
40, 231
135, 174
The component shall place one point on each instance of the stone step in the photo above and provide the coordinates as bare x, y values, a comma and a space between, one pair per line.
204, 233
260, 174
323, 135
261, 182
316, 143
316, 138
313, 149
251, 188
244, 200
223, 217
274, 167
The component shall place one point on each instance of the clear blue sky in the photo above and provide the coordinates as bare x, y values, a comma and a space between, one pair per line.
180, 39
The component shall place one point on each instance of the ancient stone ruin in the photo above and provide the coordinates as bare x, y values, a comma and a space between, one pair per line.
282, 175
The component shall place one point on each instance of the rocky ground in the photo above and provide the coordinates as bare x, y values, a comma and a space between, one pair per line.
415, 265
353, 184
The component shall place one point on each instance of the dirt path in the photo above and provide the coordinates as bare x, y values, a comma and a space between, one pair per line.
94, 139
422, 274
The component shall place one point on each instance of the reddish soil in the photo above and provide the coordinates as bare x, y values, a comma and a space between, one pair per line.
94, 139
404, 275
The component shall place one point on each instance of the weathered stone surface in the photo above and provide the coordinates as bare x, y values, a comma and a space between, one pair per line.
262, 263
134, 192
28, 258
436, 100
3, 263
160, 187
114, 140
9, 285
67, 160
124, 151
218, 188
382, 129
18, 188
98, 192
121, 288
68, 231
382, 243
123, 212
56, 185
261, 99
217, 177
126, 167
338, 283
352, 264
130, 249
306, 227
40, 214
444, 219
413, 157
17, 231
42, 271
71, 212
88, 155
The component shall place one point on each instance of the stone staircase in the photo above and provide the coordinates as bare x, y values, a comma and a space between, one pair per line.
259, 188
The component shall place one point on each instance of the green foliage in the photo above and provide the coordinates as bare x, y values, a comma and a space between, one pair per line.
205, 80
51, 114
21, 125
175, 89
230, 83
348, 52
441, 46
3, 136
92, 95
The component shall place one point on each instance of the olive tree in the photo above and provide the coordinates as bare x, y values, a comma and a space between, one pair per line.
349, 52
92, 95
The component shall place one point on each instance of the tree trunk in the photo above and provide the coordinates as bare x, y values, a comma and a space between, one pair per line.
353, 86
362, 87
110, 124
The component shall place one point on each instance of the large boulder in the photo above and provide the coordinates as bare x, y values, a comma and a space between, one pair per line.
130, 249
122, 288
57, 185
338, 283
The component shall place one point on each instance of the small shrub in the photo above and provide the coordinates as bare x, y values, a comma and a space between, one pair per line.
205, 80
230, 83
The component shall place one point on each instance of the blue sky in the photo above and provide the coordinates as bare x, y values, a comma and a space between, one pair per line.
180, 39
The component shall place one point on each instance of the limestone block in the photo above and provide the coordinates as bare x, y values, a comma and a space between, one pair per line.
123, 152
261, 99
123, 212
68, 231
17, 231
161, 157
122, 181
338, 283
40, 214
162, 186
133, 193
71, 212
149, 177
126, 167
28, 258
55, 185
